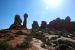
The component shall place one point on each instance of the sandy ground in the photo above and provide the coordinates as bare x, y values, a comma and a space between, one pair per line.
37, 43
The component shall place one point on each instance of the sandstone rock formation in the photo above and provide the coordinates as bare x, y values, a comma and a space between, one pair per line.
61, 24
35, 25
43, 25
67, 19
17, 23
25, 20
68, 24
57, 24
73, 25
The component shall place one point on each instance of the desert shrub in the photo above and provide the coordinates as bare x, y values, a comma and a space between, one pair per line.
53, 38
24, 45
34, 30
49, 31
64, 47
61, 43
44, 30
66, 42
43, 45
37, 34
20, 33
5, 46
28, 38
73, 35
44, 39
48, 42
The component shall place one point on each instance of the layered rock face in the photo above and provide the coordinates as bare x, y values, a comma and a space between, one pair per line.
17, 23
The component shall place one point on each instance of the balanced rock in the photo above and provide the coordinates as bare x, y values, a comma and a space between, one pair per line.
25, 21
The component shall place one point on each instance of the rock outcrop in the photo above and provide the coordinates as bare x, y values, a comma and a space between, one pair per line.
17, 23
35, 25
61, 24
43, 25
25, 21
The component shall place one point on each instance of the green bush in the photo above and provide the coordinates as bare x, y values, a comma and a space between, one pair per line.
38, 35
5, 46
28, 38
20, 33
64, 47
24, 45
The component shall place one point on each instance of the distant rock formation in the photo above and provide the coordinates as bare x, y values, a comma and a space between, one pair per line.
43, 25
57, 24
73, 25
35, 25
67, 19
25, 20
68, 24
17, 23
61, 24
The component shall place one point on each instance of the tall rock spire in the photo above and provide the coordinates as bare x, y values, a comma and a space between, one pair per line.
25, 20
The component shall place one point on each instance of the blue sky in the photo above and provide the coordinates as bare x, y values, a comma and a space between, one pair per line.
36, 9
